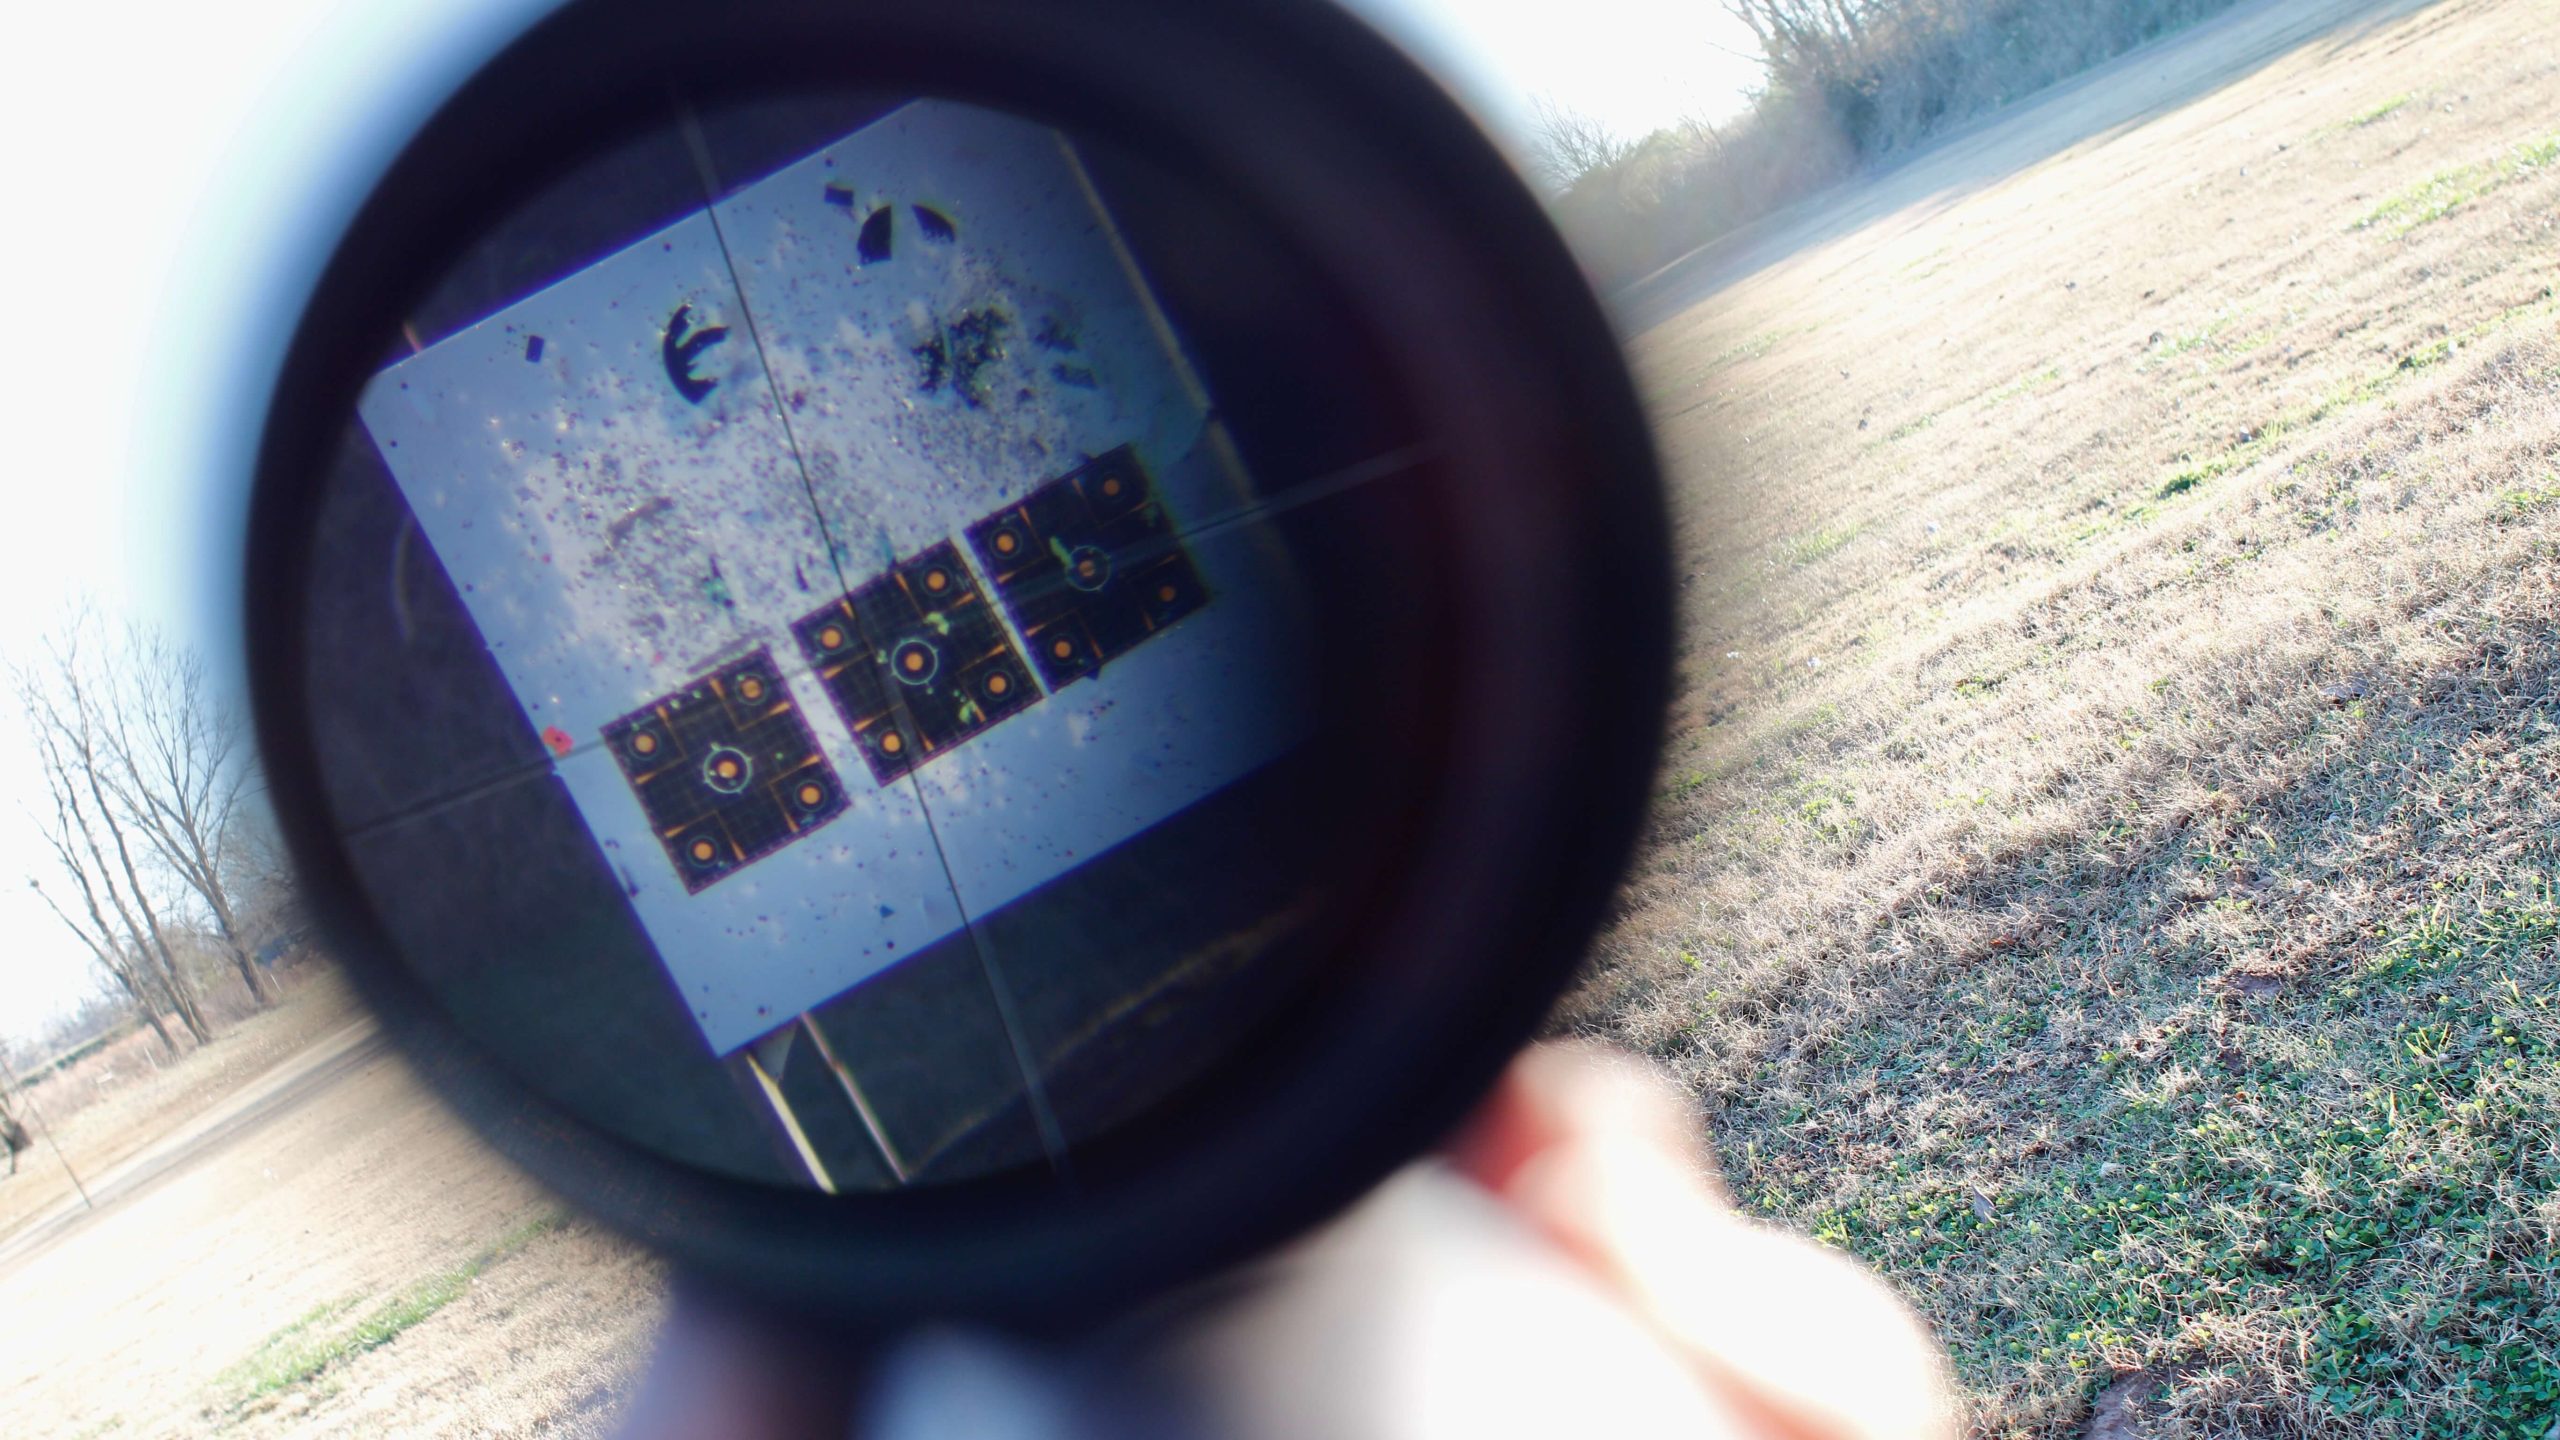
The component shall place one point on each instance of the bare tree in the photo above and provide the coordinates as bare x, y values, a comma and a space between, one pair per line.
1566, 145
68, 834
62, 701
141, 988
177, 771
1896, 71
1811, 42
259, 876
1846, 84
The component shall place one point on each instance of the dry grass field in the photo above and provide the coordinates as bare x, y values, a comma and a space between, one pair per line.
114, 1103
353, 1262
2104, 870
2103, 874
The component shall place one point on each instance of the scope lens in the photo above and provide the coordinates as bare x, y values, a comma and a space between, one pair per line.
865, 642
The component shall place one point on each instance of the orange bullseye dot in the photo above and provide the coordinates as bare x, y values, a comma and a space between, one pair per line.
1111, 487
810, 795
1062, 649
892, 743
751, 689
1006, 544
704, 850
1165, 593
914, 660
644, 743
831, 638
937, 582
998, 684
728, 769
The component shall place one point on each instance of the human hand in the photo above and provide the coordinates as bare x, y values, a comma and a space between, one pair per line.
1790, 1339
1569, 1267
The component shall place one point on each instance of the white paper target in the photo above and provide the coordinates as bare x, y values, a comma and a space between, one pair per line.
671, 459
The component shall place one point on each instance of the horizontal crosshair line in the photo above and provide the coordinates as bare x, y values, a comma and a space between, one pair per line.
1351, 477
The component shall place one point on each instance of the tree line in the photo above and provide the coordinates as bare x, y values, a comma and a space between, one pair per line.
163, 867
1847, 84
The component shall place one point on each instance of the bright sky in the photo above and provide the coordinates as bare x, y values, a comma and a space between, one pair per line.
1636, 66
174, 174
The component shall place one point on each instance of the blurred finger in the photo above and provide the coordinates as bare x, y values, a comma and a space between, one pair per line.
1601, 1156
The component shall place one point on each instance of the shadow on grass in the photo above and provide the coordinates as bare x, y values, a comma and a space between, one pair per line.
2265, 1096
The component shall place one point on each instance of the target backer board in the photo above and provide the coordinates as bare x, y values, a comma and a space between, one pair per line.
862, 549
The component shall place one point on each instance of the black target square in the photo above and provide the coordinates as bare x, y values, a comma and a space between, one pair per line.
916, 661
726, 770
1088, 566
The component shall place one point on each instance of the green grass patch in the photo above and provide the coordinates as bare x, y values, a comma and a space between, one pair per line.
2112, 520
2207, 335
287, 1357
2426, 355
2251, 343
2446, 191
2431, 199
1823, 805
2101, 1139
2370, 1189
2050, 375
2180, 482
2385, 110
324, 1338
1695, 781
2520, 503
1815, 546
2546, 305
2191, 473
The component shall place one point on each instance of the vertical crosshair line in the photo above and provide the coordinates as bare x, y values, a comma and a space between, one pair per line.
1052, 1139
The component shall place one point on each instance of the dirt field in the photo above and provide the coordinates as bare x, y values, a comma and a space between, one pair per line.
339, 1258
2104, 868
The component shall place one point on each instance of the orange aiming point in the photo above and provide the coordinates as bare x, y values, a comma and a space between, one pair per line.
644, 743
1007, 542
892, 743
751, 688
728, 769
1111, 488
936, 581
1165, 593
999, 683
832, 638
1062, 649
914, 661
810, 794
704, 850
